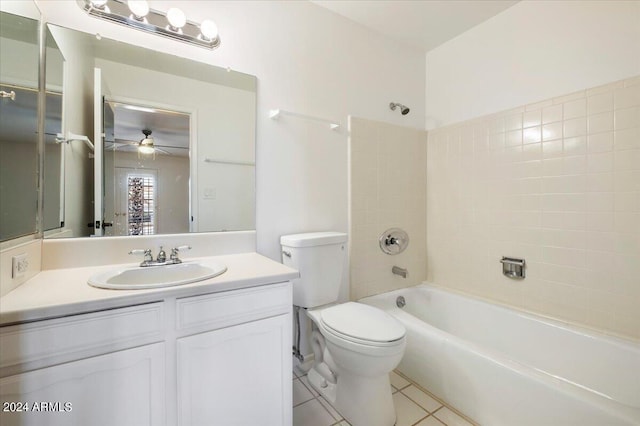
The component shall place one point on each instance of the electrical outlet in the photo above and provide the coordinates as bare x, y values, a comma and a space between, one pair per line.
20, 264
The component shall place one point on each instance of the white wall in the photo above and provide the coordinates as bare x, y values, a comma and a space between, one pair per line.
308, 60
532, 51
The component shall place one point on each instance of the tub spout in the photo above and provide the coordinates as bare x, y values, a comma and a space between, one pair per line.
400, 271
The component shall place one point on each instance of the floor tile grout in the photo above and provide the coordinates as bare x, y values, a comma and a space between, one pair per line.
442, 403
317, 397
419, 405
320, 399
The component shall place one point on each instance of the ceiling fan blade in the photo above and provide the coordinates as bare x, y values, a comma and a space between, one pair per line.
162, 150
127, 142
116, 146
169, 146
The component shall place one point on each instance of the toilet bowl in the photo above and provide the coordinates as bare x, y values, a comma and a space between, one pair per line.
355, 346
361, 346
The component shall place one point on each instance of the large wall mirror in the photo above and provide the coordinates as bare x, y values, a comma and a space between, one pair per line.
150, 143
136, 142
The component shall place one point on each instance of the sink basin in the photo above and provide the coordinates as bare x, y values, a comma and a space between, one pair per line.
156, 276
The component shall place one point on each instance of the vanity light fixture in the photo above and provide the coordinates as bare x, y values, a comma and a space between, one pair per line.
172, 24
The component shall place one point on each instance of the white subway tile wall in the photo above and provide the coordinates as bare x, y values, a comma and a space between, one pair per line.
557, 183
388, 173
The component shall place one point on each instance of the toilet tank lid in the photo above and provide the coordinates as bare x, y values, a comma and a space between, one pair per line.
312, 239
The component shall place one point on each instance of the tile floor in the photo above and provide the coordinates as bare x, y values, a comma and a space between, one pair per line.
414, 406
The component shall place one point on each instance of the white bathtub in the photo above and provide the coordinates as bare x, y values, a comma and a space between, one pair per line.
502, 367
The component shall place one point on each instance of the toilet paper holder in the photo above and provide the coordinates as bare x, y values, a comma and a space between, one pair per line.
513, 267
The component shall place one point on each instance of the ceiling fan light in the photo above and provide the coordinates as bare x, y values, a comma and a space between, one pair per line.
146, 144
146, 150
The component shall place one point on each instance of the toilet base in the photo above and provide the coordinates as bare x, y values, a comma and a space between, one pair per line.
362, 401
324, 388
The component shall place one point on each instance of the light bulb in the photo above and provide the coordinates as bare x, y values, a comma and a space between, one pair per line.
176, 18
209, 30
139, 8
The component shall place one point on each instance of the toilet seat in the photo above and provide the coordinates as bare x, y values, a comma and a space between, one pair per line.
362, 324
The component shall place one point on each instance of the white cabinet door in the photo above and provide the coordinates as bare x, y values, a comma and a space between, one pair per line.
121, 388
239, 375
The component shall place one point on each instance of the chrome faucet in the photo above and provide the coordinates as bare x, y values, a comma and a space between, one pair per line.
400, 271
162, 256
174, 253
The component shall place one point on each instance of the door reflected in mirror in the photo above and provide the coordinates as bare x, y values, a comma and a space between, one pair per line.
146, 170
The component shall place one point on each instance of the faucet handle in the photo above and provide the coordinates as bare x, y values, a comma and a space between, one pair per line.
146, 252
175, 250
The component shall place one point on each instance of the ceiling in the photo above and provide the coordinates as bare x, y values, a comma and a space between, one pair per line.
170, 130
423, 24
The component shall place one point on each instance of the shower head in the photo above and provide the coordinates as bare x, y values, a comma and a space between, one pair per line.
403, 109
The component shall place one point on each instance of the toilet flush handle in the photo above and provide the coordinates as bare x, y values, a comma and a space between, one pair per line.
286, 253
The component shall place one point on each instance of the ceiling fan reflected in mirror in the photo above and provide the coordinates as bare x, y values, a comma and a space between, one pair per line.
145, 146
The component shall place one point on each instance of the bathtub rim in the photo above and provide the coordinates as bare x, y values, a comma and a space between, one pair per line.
582, 329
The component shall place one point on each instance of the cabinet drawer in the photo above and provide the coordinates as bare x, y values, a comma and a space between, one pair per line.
47, 342
223, 309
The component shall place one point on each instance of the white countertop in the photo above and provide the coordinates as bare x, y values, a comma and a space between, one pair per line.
59, 292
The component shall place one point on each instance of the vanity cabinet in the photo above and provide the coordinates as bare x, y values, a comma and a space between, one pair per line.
219, 358
234, 357
120, 388
236, 375
105, 367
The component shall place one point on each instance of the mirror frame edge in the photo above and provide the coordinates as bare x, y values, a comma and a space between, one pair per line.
42, 74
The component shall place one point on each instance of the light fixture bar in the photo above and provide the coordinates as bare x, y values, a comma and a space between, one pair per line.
154, 22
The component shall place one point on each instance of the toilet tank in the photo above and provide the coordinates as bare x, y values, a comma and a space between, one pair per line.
319, 257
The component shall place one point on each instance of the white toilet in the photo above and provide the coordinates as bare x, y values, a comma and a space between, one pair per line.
355, 346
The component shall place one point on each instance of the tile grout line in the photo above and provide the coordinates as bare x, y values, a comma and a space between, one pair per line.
442, 403
306, 400
414, 424
321, 398
317, 398
419, 405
